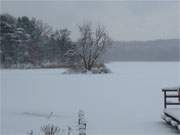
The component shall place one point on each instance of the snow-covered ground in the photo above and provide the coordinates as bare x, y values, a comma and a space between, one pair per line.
127, 101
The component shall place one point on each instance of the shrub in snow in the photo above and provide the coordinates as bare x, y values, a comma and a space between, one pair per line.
102, 69
50, 129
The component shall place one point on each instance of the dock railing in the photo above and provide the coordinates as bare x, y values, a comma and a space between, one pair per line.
171, 93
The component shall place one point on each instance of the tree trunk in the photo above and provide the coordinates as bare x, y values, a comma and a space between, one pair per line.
85, 63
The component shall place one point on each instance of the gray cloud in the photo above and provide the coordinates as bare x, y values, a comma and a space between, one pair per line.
129, 20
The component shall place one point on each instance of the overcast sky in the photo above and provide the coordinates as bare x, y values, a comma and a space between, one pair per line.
128, 20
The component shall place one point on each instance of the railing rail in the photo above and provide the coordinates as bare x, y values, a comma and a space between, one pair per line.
173, 93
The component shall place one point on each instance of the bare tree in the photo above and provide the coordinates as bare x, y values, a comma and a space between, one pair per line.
50, 130
91, 44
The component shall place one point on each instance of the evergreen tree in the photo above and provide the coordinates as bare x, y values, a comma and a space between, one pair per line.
9, 39
24, 40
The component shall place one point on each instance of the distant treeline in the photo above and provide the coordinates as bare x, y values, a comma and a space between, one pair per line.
155, 50
28, 41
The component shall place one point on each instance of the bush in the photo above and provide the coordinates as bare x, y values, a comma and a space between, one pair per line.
100, 70
50, 129
97, 69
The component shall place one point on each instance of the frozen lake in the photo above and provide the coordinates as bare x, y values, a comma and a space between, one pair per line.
127, 101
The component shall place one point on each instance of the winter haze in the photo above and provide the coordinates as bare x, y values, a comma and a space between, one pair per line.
101, 79
125, 20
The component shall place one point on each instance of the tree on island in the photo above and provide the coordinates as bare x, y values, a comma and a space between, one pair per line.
91, 45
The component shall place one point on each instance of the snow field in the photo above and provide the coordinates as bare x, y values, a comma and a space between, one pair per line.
127, 101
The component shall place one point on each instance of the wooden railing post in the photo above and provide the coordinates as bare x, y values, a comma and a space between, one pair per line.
165, 105
179, 94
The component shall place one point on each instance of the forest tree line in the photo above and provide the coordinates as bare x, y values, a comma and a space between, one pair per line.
29, 41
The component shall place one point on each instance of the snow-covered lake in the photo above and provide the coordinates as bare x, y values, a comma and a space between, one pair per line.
127, 101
